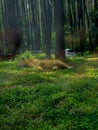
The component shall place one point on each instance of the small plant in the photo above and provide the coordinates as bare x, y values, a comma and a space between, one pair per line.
27, 55
87, 53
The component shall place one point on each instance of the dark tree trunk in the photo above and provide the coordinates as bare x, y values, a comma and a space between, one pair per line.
81, 25
59, 24
11, 35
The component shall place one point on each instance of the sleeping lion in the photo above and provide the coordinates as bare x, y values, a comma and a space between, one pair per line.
53, 64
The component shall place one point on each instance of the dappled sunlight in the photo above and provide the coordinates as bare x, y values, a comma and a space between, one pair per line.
82, 71
55, 94
88, 69
92, 72
86, 72
91, 59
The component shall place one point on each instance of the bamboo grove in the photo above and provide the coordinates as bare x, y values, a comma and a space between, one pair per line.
38, 21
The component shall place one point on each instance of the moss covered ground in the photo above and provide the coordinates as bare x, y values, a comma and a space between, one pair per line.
49, 100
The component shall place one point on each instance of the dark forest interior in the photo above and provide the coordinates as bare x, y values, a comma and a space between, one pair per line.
47, 25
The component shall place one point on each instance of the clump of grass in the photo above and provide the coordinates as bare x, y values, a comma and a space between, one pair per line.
31, 79
28, 55
25, 55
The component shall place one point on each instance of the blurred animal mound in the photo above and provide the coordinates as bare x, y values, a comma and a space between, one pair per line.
48, 64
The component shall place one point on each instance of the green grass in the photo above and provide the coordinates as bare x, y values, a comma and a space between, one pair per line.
49, 100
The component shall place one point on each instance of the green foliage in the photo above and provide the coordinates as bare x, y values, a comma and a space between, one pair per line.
87, 53
49, 100
53, 39
27, 55
94, 16
67, 29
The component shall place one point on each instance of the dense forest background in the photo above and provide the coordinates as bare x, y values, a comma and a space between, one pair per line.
38, 93
48, 25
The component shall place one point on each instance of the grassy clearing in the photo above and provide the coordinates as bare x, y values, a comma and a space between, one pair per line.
49, 100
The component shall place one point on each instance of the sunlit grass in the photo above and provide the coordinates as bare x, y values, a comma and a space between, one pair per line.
49, 100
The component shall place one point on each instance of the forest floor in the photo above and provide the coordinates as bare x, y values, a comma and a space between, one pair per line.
49, 100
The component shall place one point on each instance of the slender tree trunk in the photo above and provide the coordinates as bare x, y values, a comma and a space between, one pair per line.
46, 26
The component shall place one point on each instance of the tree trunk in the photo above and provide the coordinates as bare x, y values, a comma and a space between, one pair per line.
59, 24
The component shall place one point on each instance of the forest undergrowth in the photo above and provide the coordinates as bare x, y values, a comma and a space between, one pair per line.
65, 99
